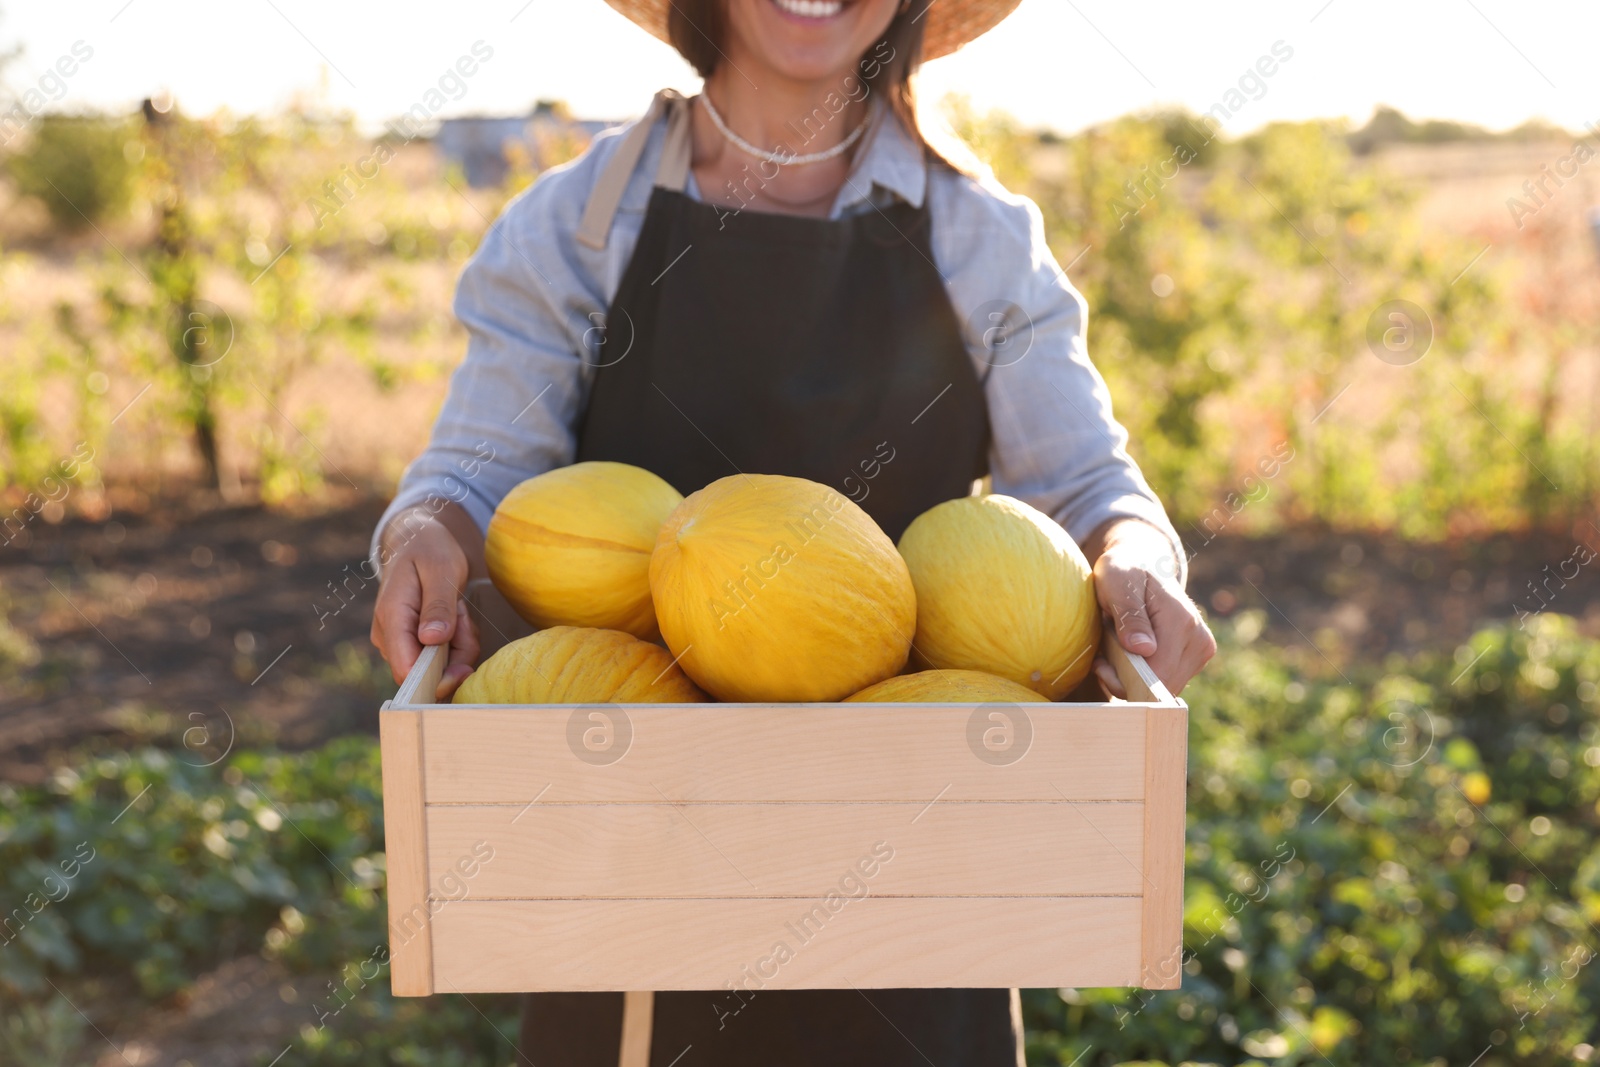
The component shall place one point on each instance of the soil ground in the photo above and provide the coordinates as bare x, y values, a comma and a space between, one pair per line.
190, 617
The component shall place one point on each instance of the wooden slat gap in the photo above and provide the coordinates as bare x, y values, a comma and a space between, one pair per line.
712, 705
920, 803
813, 897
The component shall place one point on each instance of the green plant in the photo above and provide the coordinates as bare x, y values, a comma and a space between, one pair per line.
195, 870
1231, 288
379, 1030
77, 166
49, 1034
27, 454
18, 652
147, 868
1394, 869
175, 266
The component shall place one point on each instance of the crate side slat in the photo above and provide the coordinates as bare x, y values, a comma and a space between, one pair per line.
807, 752
1166, 782
951, 848
406, 846
498, 946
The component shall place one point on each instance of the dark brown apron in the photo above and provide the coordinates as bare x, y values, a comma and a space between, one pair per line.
817, 348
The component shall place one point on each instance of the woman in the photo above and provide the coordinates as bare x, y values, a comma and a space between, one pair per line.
780, 276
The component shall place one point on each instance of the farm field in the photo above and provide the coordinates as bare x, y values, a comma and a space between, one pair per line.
1395, 761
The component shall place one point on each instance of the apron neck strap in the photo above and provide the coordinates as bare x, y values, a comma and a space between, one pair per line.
672, 173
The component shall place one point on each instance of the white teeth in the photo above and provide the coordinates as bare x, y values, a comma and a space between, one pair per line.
811, 9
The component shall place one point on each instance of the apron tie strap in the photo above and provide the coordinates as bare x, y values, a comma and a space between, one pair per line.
638, 1011
604, 198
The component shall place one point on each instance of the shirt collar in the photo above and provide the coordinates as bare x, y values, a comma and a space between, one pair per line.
890, 158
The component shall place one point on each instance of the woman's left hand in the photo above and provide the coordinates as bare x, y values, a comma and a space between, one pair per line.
1135, 578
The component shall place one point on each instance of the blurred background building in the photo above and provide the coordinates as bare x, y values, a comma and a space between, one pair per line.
485, 146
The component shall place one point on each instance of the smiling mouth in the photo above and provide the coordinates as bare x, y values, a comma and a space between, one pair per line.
810, 9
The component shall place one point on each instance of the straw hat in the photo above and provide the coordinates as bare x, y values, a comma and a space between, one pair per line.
951, 23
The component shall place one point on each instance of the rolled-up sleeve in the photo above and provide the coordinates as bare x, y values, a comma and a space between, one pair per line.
530, 307
1055, 442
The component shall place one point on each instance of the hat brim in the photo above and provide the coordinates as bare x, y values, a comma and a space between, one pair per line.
950, 23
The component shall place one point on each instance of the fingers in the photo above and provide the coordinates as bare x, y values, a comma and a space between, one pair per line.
463, 653
1151, 618
1122, 592
1185, 642
394, 619
418, 598
441, 592
1107, 676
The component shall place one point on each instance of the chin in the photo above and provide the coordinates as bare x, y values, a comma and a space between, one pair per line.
808, 40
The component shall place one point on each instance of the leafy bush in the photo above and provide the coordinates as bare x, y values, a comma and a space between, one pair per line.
1231, 288
152, 867
148, 868
77, 166
49, 1034
1401, 870
442, 1031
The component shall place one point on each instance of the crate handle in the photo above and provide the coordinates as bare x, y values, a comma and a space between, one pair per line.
422, 683
498, 625
1138, 680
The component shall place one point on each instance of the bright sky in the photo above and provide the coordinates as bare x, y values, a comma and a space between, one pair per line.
1059, 63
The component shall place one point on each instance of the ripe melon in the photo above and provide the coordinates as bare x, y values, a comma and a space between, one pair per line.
948, 687
1002, 588
572, 546
577, 665
779, 589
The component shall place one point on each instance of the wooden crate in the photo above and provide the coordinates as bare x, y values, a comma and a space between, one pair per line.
656, 847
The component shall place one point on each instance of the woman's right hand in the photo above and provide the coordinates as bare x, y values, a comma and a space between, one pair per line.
420, 598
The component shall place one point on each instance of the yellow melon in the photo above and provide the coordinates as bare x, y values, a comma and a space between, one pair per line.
780, 589
577, 665
948, 687
572, 546
1002, 588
